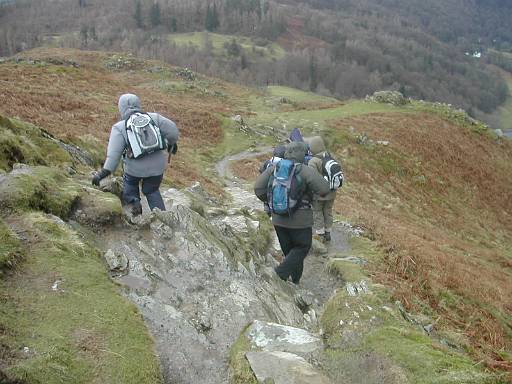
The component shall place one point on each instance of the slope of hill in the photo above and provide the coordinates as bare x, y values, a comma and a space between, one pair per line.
340, 48
429, 186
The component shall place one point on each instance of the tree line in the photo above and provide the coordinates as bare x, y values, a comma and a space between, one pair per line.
348, 49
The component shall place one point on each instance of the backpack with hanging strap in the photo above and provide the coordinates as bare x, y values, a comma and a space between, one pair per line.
286, 188
144, 136
332, 172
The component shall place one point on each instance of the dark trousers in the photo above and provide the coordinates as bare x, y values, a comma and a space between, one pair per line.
150, 188
295, 244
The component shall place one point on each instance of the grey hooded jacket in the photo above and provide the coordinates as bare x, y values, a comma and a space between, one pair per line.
315, 184
153, 164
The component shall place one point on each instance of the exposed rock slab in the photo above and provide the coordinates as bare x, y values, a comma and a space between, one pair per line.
277, 337
284, 368
198, 285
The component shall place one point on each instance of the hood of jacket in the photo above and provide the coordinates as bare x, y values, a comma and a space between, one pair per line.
295, 135
128, 104
279, 151
316, 145
296, 151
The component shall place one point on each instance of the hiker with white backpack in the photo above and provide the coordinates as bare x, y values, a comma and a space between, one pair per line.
288, 187
329, 168
145, 141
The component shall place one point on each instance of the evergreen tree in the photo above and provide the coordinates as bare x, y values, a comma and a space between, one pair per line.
154, 15
84, 34
138, 14
233, 48
174, 24
92, 33
212, 18
208, 20
215, 17
243, 61
313, 73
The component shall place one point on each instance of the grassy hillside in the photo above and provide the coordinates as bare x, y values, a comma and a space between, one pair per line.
220, 42
436, 197
61, 317
435, 200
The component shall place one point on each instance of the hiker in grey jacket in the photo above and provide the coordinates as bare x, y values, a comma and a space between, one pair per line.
322, 205
149, 169
294, 232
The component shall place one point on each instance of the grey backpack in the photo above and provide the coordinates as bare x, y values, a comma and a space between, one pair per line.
144, 136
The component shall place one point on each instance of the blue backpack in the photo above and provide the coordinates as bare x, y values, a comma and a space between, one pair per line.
285, 188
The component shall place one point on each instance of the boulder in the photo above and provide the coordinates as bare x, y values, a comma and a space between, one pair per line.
277, 337
389, 97
284, 368
117, 262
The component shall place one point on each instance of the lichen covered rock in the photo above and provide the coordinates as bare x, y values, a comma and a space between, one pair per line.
39, 188
389, 97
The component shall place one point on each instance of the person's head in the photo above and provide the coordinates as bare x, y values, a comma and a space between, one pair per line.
128, 104
295, 135
316, 145
296, 151
279, 151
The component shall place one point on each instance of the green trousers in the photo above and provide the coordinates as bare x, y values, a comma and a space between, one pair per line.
322, 215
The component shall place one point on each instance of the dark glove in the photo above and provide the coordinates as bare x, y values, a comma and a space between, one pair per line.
173, 148
100, 176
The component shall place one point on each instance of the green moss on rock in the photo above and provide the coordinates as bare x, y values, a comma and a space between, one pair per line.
67, 316
96, 208
241, 372
38, 188
24, 143
94, 147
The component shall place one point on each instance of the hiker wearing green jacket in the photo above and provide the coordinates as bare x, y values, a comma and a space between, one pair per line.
146, 170
295, 231
322, 205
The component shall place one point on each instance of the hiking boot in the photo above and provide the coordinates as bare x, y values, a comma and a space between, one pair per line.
327, 236
136, 209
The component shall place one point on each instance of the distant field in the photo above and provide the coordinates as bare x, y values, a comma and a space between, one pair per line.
298, 96
197, 39
271, 113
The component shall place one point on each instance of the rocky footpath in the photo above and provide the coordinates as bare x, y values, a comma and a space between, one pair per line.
199, 281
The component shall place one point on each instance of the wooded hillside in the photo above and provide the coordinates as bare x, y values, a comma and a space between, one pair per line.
341, 48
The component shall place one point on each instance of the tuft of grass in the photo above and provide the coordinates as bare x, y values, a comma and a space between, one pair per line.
241, 372
263, 237
10, 247
198, 207
68, 317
